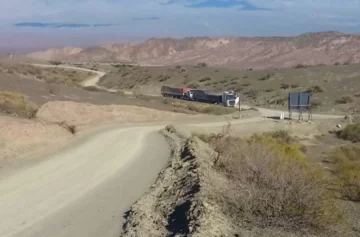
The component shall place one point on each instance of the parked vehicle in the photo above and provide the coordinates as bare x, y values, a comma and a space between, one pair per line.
174, 92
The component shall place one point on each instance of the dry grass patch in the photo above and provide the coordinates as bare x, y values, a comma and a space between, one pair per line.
347, 170
17, 103
271, 183
204, 108
351, 133
345, 99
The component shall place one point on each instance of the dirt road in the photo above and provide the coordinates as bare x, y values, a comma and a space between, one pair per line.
83, 190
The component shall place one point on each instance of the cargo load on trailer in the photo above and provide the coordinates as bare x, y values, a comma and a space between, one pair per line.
205, 95
174, 92
226, 98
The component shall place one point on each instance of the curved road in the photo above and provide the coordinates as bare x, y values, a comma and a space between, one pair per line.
84, 189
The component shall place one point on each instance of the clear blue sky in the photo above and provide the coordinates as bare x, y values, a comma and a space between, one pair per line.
87, 22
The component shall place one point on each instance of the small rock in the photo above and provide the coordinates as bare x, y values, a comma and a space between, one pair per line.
338, 126
186, 164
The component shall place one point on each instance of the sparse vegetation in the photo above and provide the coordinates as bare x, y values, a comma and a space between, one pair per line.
70, 128
201, 65
55, 63
345, 99
266, 77
281, 136
270, 182
347, 170
93, 88
295, 86
18, 104
201, 108
284, 86
253, 94
315, 89
351, 132
204, 79
299, 66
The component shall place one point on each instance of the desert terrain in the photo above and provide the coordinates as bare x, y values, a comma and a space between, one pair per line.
237, 52
334, 87
80, 140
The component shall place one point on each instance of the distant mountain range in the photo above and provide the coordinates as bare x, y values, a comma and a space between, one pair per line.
240, 52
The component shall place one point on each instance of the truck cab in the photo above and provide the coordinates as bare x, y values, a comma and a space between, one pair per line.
230, 98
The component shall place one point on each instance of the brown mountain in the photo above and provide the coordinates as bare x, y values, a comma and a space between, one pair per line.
241, 52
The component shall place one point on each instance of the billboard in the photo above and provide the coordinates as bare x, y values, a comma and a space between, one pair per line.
300, 101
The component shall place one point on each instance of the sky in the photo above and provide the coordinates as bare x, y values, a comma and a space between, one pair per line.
28, 24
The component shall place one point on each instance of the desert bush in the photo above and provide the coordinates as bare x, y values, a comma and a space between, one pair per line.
245, 84
71, 128
204, 79
337, 64
271, 184
141, 96
299, 66
51, 87
55, 62
284, 86
253, 94
315, 89
281, 136
93, 88
163, 78
200, 65
17, 103
239, 89
345, 99
125, 74
294, 86
215, 109
269, 90
266, 77
347, 170
204, 109
351, 132
223, 81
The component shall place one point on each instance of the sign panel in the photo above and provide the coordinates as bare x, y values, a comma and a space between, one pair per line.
299, 101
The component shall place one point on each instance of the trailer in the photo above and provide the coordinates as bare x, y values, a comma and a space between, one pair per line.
205, 95
226, 98
174, 92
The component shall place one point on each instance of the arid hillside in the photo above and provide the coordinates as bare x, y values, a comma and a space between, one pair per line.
240, 52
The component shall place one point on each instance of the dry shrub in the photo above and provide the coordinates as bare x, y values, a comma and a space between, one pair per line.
55, 62
347, 169
71, 128
281, 136
271, 184
93, 88
201, 108
315, 89
17, 103
345, 99
351, 132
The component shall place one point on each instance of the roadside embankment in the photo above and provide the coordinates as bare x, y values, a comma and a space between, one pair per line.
178, 203
220, 185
